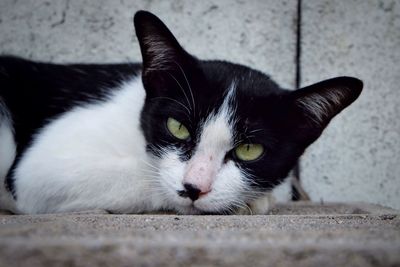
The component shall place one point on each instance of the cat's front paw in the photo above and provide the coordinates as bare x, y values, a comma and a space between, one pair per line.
259, 206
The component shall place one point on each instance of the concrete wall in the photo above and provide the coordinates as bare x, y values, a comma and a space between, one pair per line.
257, 33
356, 157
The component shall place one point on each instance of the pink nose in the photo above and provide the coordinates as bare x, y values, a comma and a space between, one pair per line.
200, 175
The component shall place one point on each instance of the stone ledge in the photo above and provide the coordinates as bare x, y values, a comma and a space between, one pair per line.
330, 234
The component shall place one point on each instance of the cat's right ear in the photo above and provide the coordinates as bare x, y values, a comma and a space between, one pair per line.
314, 106
161, 52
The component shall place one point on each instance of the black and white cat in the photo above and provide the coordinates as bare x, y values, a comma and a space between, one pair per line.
176, 133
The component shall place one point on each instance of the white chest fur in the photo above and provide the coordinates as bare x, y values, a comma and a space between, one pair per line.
91, 157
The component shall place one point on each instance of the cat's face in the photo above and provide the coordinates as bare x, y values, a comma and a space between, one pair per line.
223, 134
212, 127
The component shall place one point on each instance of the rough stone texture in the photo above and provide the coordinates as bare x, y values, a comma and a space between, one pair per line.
319, 235
358, 156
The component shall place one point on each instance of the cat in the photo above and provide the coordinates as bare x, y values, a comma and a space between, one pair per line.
174, 133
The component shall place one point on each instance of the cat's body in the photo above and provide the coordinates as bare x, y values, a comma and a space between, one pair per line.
177, 134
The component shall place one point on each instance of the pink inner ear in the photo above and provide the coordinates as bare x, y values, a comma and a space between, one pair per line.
201, 172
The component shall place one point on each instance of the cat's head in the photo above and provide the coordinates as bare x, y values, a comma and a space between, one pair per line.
223, 134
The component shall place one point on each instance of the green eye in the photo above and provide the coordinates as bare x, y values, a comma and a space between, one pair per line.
177, 129
248, 152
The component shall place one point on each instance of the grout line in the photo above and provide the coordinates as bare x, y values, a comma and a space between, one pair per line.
297, 171
298, 45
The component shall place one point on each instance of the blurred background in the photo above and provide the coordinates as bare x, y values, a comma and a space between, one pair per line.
296, 42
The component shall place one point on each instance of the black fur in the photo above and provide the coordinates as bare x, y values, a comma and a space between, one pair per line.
36, 93
266, 113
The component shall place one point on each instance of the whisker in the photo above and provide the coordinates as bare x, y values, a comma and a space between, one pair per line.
256, 130
149, 165
183, 91
190, 88
174, 100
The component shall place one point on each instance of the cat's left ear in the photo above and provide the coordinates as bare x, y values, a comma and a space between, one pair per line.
317, 104
161, 52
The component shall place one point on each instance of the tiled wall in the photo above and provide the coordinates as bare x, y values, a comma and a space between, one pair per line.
358, 156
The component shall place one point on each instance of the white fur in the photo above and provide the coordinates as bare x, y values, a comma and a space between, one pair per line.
7, 156
94, 157
216, 140
90, 157
259, 206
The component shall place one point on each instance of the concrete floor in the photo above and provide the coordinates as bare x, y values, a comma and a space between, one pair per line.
297, 234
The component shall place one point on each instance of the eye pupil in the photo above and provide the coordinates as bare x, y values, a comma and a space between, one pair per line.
177, 129
249, 152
